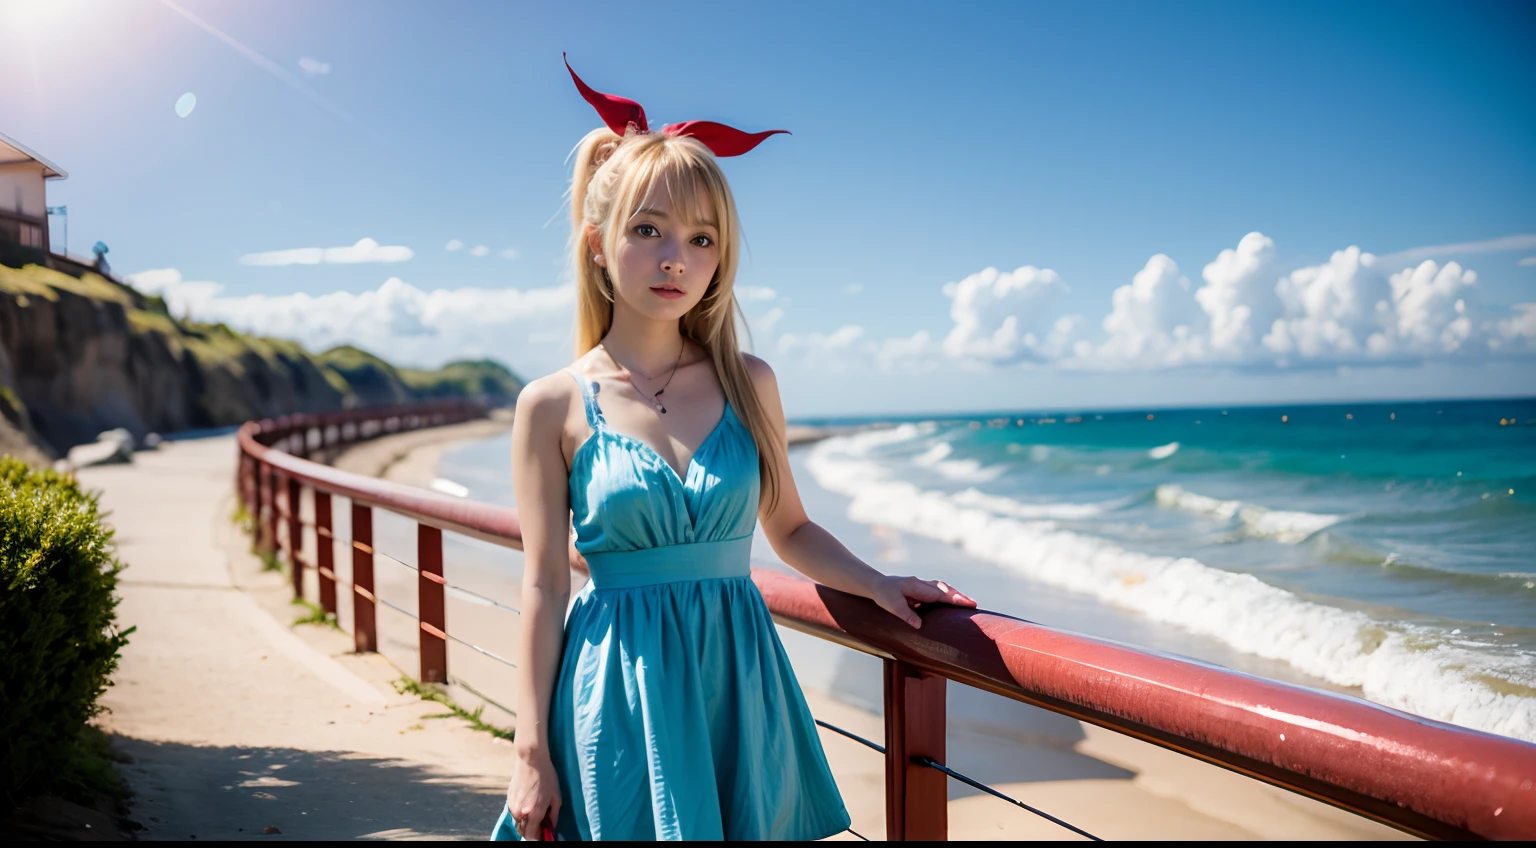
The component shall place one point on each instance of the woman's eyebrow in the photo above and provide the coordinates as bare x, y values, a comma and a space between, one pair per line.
648, 211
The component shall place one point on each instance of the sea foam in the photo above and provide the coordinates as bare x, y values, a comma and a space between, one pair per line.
1409, 667
1281, 525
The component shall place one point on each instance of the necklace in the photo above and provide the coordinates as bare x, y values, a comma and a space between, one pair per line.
655, 399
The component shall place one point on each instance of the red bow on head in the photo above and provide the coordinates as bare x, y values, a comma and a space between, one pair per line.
620, 113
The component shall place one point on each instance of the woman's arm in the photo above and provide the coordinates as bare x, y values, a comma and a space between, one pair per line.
810, 549
540, 483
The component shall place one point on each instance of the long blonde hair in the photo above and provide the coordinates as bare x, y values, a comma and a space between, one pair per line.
613, 176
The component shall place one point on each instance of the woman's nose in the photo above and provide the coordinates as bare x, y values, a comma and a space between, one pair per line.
672, 266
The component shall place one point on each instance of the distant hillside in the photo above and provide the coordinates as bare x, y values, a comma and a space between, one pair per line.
87, 354
376, 382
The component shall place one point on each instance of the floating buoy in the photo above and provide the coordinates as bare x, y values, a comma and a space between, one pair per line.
1284, 419
1149, 416
1349, 416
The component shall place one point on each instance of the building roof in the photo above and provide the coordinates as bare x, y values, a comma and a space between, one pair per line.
12, 150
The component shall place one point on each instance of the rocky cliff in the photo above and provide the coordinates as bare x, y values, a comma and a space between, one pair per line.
82, 355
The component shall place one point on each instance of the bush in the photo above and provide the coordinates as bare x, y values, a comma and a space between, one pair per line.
58, 636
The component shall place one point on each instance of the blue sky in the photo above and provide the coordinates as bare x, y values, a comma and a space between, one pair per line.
1078, 149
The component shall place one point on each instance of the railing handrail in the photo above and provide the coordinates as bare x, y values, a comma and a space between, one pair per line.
1423, 776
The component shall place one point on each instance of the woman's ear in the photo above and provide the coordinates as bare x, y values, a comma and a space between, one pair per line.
595, 244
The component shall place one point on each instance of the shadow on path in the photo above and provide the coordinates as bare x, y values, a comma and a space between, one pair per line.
218, 792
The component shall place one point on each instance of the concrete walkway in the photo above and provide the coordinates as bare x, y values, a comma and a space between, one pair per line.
234, 723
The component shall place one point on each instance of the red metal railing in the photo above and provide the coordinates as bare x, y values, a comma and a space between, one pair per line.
1421, 776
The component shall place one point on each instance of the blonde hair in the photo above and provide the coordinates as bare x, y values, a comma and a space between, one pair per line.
613, 176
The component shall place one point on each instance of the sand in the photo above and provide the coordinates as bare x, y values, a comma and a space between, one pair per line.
234, 721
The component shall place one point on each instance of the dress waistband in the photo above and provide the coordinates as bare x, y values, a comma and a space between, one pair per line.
671, 563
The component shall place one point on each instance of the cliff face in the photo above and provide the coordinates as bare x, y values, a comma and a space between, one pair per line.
83, 355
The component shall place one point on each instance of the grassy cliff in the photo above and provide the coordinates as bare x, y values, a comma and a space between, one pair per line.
79, 355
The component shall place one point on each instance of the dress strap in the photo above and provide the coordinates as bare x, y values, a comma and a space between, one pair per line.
589, 390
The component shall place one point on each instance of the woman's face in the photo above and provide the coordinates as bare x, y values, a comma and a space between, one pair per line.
662, 264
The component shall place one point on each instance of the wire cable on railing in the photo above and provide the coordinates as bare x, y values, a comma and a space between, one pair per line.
925, 761
493, 656
859, 835
855, 737
492, 601
456, 588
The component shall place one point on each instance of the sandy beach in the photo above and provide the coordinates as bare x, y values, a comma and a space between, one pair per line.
1108, 784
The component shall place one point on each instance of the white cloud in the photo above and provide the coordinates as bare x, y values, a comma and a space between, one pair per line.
994, 312
1239, 296
181, 296
1356, 308
479, 250
1529, 260
853, 288
366, 250
917, 352
404, 324
1432, 307
1155, 319
508, 253
749, 293
453, 244
764, 324
314, 67
1338, 310
828, 350
1518, 331
1525, 241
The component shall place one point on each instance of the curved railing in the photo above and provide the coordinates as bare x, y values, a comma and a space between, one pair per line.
1425, 777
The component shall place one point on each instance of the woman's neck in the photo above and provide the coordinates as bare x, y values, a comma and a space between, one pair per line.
642, 344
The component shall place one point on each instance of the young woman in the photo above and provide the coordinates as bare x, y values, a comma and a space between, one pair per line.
663, 706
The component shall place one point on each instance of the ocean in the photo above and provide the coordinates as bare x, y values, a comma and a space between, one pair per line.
1387, 550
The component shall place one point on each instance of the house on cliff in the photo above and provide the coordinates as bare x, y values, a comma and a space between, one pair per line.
24, 203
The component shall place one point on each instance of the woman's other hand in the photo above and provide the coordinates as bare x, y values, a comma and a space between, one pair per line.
897, 595
534, 794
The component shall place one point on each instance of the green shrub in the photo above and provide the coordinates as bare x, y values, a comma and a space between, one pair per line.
58, 636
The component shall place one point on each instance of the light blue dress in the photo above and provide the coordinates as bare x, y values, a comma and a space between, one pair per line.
675, 713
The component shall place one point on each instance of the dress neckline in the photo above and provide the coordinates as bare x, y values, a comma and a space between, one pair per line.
599, 422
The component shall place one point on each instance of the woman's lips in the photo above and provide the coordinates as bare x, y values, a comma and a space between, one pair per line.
669, 294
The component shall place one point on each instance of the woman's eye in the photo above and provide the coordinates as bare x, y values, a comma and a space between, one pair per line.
647, 231
703, 241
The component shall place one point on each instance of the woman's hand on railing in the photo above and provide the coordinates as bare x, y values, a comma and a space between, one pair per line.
899, 595
533, 795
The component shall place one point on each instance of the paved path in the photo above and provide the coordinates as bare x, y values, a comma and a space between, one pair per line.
234, 722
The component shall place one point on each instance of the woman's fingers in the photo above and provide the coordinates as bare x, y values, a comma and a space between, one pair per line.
935, 591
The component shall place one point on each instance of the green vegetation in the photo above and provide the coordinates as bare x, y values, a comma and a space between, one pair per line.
428, 692
315, 614
59, 640
466, 378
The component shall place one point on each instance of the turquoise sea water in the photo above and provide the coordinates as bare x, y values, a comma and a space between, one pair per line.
1385, 548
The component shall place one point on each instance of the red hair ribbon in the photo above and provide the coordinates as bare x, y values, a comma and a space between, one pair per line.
621, 113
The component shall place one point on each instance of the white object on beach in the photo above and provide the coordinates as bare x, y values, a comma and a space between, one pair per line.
448, 487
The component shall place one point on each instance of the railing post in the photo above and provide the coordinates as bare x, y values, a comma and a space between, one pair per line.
325, 551
267, 479
295, 538
916, 797
363, 631
429, 604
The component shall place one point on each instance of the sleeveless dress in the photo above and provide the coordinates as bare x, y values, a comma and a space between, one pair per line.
675, 712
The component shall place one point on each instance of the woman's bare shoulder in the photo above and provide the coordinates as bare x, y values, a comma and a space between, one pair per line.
547, 401
760, 372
